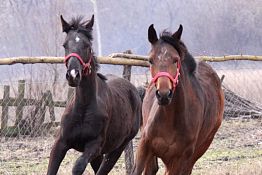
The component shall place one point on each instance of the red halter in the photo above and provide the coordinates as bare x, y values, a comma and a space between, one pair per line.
173, 79
86, 66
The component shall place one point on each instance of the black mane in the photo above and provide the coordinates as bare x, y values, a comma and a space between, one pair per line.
188, 60
77, 24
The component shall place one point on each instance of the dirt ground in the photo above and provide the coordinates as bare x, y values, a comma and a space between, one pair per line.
236, 150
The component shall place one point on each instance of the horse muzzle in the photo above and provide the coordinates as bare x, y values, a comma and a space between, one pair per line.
164, 97
73, 77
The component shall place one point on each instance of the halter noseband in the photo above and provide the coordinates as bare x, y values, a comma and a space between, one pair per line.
86, 66
173, 79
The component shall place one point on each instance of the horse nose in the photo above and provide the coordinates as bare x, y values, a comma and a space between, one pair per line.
74, 74
164, 94
170, 94
67, 75
158, 95
164, 97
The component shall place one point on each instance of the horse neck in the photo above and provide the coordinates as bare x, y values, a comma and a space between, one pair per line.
86, 91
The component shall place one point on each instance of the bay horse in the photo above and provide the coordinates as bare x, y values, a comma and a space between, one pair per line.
103, 116
182, 108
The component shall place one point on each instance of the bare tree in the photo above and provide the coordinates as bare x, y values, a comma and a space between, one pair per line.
99, 45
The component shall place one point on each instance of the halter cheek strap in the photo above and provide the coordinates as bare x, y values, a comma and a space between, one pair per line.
86, 66
173, 79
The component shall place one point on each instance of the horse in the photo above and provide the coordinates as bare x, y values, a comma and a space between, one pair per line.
182, 108
105, 112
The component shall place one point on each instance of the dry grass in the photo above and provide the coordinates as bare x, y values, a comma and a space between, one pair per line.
236, 150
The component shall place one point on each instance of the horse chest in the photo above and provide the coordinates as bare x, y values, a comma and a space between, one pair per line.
77, 133
165, 140
170, 147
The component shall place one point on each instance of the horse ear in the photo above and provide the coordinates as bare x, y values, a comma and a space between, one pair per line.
178, 33
90, 24
65, 25
152, 36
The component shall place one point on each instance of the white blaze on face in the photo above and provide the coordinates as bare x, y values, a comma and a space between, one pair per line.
77, 39
73, 73
163, 54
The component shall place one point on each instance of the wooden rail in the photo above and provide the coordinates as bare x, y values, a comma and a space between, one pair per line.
202, 58
122, 59
59, 60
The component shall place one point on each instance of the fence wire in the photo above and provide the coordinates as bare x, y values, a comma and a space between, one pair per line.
31, 111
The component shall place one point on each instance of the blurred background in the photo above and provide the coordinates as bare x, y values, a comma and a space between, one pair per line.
213, 28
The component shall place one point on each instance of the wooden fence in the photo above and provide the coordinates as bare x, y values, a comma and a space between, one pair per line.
126, 59
20, 102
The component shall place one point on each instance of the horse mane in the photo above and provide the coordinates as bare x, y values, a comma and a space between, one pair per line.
101, 76
188, 61
78, 24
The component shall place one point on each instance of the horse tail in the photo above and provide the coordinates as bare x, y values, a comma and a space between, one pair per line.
141, 91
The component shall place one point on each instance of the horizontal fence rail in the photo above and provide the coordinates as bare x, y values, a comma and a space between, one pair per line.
122, 59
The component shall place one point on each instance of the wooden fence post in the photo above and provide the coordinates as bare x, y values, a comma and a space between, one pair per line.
43, 103
5, 104
50, 104
129, 153
20, 102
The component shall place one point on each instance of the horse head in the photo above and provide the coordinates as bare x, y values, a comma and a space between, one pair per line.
165, 60
78, 49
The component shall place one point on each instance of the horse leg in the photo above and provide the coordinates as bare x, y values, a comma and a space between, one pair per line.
142, 156
95, 164
110, 160
151, 167
56, 156
92, 150
200, 150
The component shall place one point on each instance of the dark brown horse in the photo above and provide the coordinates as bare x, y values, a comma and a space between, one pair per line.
182, 108
103, 116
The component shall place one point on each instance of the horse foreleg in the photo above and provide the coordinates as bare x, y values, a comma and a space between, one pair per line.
151, 167
142, 156
96, 163
110, 160
92, 150
56, 156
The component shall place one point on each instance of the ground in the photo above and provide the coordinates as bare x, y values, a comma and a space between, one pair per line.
236, 150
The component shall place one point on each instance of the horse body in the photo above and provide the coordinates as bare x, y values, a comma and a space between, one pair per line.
125, 119
180, 131
82, 123
103, 116
186, 126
